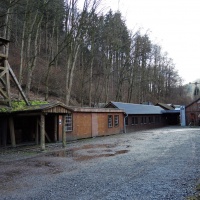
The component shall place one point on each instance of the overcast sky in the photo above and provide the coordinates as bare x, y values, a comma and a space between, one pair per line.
173, 24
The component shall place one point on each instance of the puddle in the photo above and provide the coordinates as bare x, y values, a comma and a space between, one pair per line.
68, 153
88, 157
108, 150
9, 176
121, 152
137, 138
91, 146
42, 163
93, 151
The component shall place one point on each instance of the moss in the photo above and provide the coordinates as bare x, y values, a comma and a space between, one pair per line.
21, 105
34, 103
4, 109
18, 105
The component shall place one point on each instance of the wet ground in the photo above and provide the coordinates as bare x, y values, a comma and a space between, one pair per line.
154, 164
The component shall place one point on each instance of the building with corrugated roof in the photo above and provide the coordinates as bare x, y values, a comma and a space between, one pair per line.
140, 116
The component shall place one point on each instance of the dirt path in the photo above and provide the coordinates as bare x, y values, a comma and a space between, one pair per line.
154, 164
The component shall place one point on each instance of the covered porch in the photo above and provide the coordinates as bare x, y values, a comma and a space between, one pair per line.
34, 124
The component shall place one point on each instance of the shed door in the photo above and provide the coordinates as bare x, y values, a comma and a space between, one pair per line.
94, 125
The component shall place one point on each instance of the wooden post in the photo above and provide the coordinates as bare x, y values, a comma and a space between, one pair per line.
42, 132
55, 128
7, 81
63, 131
12, 132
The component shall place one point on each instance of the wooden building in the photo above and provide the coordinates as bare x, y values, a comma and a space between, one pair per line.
192, 112
92, 122
140, 116
35, 124
56, 122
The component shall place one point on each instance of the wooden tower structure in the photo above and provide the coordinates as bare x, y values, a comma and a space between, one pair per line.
5, 73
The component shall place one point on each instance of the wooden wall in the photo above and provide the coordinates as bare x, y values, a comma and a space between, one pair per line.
158, 121
87, 125
193, 114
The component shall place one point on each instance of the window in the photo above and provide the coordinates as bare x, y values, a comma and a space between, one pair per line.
134, 120
157, 119
142, 120
151, 119
145, 120
68, 122
110, 121
116, 120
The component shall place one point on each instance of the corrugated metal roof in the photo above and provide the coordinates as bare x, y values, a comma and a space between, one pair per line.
94, 110
131, 108
165, 106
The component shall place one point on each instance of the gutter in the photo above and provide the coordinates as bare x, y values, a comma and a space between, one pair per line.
125, 123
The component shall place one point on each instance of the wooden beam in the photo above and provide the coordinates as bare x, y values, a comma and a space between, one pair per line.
63, 132
12, 132
18, 85
3, 56
2, 73
48, 138
3, 82
42, 132
29, 114
3, 94
7, 81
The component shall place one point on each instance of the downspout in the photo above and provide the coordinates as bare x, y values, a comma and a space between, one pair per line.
125, 123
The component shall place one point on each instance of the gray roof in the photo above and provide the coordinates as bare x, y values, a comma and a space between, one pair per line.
131, 108
95, 110
165, 106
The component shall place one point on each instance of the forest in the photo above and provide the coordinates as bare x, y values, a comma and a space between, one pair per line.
84, 56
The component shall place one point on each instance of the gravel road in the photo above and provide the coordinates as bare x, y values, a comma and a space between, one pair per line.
156, 164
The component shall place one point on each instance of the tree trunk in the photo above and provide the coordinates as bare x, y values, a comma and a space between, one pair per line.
33, 64
70, 72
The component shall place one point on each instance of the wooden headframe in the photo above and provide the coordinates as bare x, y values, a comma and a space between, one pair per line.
5, 73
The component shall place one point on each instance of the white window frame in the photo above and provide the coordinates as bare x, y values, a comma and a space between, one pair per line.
116, 120
68, 122
110, 121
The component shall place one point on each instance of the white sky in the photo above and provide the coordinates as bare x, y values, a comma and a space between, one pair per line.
173, 24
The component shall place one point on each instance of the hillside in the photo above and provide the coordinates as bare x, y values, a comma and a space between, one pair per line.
80, 57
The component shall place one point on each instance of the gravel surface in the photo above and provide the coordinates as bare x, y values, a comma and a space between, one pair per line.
154, 164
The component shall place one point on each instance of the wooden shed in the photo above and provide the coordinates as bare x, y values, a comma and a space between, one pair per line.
92, 122
36, 124
192, 112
